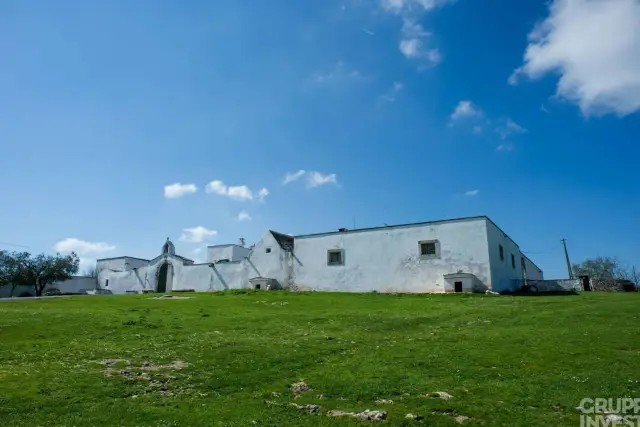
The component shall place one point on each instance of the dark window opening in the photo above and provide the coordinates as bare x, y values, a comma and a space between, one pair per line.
268, 250
106, 283
457, 286
513, 262
334, 257
428, 249
257, 286
501, 252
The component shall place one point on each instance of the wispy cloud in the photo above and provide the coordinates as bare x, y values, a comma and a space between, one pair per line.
82, 247
509, 128
366, 31
238, 192
197, 234
391, 95
339, 72
465, 110
412, 43
177, 190
472, 193
313, 178
293, 176
505, 147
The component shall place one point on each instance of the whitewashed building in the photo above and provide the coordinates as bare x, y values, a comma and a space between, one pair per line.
456, 255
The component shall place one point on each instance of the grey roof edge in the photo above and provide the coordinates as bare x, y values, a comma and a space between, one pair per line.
534, 264
410, 224
120, 257
285, 241
225, 245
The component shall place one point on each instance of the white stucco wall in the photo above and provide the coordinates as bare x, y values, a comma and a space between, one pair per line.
533, 272
388, 259
275, 265
504, 276
231, 252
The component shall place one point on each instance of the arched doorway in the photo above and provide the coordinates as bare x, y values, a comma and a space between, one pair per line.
165, 276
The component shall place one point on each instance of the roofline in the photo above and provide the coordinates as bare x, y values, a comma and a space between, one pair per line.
502, 231
412, 224
529, 259
226, 244
120, 257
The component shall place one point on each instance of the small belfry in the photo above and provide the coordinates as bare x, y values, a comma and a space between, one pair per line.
168, 248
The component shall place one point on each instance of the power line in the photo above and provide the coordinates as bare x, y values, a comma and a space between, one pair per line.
13, 244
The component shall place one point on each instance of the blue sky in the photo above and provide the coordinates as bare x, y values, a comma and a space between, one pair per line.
396, 110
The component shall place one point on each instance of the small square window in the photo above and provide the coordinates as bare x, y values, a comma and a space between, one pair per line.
334, 257
513, 262
428, 249
268, 250
501, 252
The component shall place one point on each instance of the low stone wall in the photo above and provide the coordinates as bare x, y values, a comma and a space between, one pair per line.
559, 285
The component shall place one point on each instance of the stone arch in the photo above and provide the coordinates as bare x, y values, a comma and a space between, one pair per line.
165, 273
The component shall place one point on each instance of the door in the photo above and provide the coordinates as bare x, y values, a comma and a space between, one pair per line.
457, 286
162, 278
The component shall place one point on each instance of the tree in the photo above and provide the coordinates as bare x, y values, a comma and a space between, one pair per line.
606, 272
21, 268
90, 272
7, 270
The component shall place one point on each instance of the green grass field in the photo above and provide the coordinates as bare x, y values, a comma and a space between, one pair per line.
508, 361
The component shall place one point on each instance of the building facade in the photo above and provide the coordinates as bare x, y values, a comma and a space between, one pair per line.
457, 255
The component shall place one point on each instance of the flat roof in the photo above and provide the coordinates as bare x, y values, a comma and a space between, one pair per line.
411, 224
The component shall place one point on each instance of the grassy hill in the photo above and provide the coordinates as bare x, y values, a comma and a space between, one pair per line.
229, 359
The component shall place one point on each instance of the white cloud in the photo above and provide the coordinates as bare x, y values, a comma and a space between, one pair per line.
477, 130
316, 179
465, 110
391, 95
238, 192
293, 176
82, 247
216, 187
177, 190
398, 6
244, 216
413, 47
594, 46
412, 44
197, 234
262, 194
472, 193
313, 178
509, 128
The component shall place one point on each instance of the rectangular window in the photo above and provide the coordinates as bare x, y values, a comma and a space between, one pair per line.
268, 250
428, 249
501, 252
334, 257
513, 262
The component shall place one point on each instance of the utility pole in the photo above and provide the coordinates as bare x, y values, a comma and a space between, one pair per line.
566, 255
